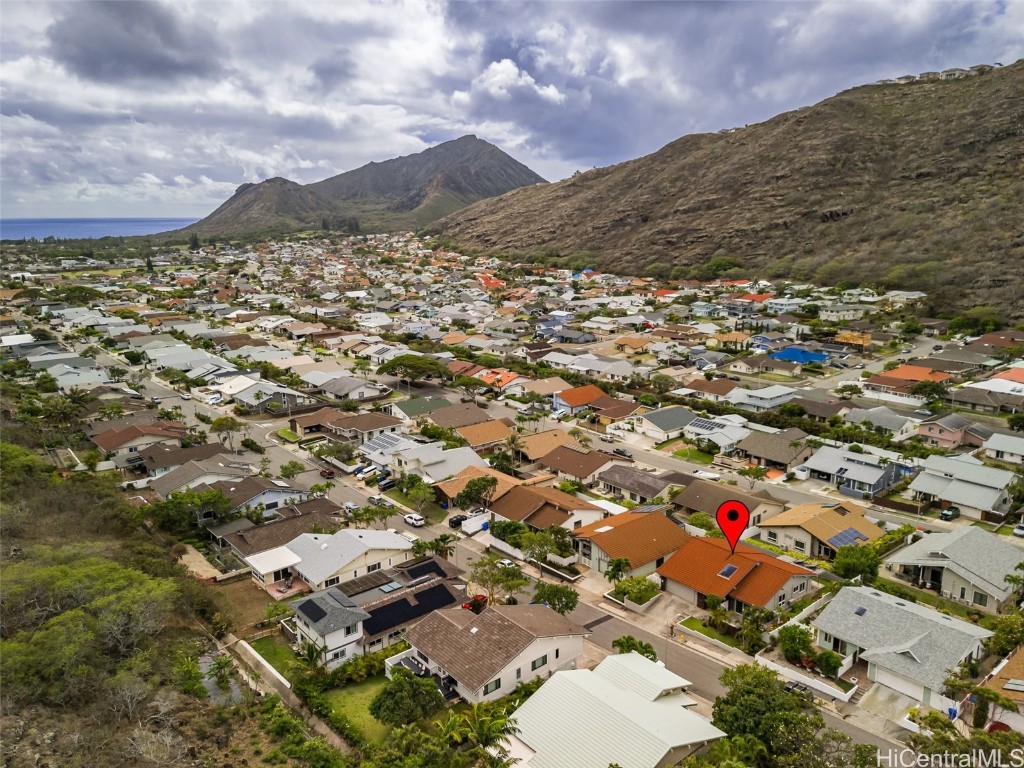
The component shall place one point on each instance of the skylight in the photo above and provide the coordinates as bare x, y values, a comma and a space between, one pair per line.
861, 611
728, 571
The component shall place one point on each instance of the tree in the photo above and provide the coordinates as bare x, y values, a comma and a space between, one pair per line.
484, 728
1009, 633
362, 367
561, 598
617, 568
580, 436
829, 663
718, 614
629, 644
292, 468
406, 699
182, 510
795, 642
753, 474
477, 492
420, 496
443, 546
111, 410
91, 459
662, 383
226, 427
491, 577
751, 634
414, 367
537, 546
133, 357
513, 446
852, 561
221, 669
469, 385
929, 390
702, 520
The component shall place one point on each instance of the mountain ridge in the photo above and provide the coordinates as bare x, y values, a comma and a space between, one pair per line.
401, 193
914, 185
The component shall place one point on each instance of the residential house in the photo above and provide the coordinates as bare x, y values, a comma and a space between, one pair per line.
819, 529
908, 647
254, 493
311, 515
547, 387
543, 508
371, 612
351, 388
538, 444
858, 475
360, 428
716, 390
968, 565
433, 462
199, 472
577, 399
317, 421
664, 424
332, 623
485, 436
884, 420
484, 657
160, 459
707, 496
123, 445
1008, 448
764, 399
1005, 679
459, 415
821, 412
412, 409
979, 491
627, 711
646, 540
448, 489
321, 560
717, 434
953, 431
748, 576
628, 482
579, 465
842, 313
781, 450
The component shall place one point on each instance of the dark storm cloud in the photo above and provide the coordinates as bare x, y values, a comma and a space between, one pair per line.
335, 69
128, 41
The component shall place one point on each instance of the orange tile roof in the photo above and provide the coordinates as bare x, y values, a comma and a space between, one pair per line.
640, 537
581, 395
916, 373
453, 486
758, 577
1011, 374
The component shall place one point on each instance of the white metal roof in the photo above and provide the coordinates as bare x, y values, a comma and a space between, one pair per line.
273, 560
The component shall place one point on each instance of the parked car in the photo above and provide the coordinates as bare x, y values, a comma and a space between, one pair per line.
325, 472
506, 563
623, 452
416, 521
703, 473
923, 412
366, 474
607, 439
1019, 530
387, 485
350, 506
186, 396
476, 511
937, 348
734, 378
456, 521
949, 513
155, 400
380, 501
214, 399
907, 350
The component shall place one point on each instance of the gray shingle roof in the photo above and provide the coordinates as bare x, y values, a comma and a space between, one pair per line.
646, 484
977, 556
337, 611
670, 419
910, 640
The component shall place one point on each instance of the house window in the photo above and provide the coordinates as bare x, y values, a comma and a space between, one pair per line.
374, 567
980, 598
338, 654
556, 652
332, 581
492, 686
826, 637
423, 657
519, 673
800, 587
773, 536
351, 629
799, 546
271, 504
537, 663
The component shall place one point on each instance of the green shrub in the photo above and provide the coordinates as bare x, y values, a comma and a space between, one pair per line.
639, 589
253, 446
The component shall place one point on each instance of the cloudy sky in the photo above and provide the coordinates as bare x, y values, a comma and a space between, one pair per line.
164, 108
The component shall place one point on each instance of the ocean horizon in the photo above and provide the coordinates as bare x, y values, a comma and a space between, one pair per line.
75, 229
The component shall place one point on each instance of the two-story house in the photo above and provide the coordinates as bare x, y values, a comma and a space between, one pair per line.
952, 431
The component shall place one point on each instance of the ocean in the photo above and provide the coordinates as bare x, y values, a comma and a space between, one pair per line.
72, 229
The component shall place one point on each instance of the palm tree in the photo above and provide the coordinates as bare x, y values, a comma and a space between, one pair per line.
718, 614
513, 445
420, 548
78, 397
629, 644
738, 750
483, 728
617, 568
221, 669
443, 546
751, 634
309, 657
580, 437
449, 730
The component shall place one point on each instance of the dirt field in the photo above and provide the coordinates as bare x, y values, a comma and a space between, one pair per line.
246, 602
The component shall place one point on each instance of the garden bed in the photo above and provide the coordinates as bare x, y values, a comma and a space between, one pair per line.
697, 625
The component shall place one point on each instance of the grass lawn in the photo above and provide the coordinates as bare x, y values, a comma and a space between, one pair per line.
433, 512
288, 435
277, 653
693, 455
353, 701
695, 624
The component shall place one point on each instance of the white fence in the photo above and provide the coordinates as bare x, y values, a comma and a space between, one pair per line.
818, 684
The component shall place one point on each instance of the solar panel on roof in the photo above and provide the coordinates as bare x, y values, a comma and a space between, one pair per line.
312, 611
707, 424
1014, 685
402, 611
847, 537
429, 567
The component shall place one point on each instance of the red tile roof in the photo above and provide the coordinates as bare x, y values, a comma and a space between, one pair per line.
757, 579
579, 396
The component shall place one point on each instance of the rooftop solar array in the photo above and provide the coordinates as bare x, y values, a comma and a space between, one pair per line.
847, 537
312, 611
403, 611
364, 583
707, 424
431, 567
381, 442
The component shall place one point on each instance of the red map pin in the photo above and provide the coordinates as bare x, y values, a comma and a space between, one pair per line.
732, 518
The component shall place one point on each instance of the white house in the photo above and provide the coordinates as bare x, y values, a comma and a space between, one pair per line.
965, 482
764, 399
332, 622
484, 657
1008, 448
909, 648
627, 711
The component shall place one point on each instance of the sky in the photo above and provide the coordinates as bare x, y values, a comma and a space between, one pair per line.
161, 109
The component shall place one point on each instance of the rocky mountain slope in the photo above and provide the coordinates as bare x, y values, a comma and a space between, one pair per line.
399, 194
917, 185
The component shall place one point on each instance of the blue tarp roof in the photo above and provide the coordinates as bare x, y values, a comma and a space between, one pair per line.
797, 355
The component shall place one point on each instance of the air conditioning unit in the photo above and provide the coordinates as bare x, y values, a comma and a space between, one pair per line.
945, 593
888, 566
